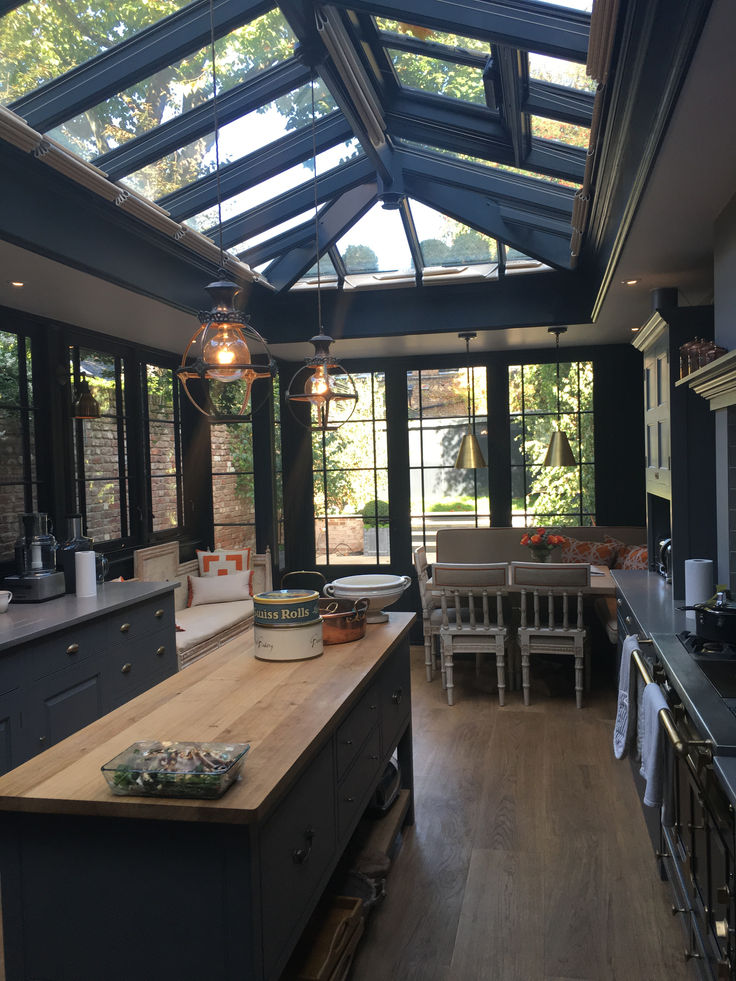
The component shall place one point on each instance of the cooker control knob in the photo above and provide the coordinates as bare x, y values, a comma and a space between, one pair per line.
721, 929
723, 894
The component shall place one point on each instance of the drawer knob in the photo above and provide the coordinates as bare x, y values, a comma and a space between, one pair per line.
301, 855
41, 740
160, 651
158, 614
397, 696
373, 707
349, 800
124, 628
348, 742
628, 619
126, 668
72, 649
619, 603
373, 756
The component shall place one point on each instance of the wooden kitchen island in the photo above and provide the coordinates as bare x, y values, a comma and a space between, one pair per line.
99, 886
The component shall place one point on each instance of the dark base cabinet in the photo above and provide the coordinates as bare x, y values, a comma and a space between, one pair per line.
79, 660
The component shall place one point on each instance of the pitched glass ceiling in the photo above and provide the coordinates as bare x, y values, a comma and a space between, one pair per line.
473, 140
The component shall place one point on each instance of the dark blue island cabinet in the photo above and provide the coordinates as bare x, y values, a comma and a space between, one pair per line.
67, 662
130, 888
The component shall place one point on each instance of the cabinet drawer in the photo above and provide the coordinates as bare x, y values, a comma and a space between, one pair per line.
128, 671
395, 699
66, 648
355, 790
352, 732
297, 849
133, 624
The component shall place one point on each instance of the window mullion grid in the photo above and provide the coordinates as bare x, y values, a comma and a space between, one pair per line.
421, 459
177, 452
122, 462
323, 467
24, 410
523, 446
81, 477
375, 466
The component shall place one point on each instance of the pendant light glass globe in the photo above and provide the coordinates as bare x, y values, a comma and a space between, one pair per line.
224, 345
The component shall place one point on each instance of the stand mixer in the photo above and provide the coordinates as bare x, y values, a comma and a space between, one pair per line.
36, 578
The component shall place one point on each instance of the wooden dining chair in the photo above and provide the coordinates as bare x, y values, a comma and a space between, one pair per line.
431, 615
552, 617
472, 616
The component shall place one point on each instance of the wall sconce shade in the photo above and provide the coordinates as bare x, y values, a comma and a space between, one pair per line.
85, 404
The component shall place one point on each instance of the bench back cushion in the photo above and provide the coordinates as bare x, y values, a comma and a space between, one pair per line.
504, 545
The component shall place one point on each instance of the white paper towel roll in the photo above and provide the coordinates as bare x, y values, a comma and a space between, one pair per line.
84, 565
698, 581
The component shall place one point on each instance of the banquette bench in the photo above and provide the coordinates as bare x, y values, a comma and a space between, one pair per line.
503, 544
201, 628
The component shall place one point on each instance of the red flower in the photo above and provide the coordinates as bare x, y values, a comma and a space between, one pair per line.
525, 539
541, 531
536, 539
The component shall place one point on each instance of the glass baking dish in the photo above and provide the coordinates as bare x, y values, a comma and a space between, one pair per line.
162, 768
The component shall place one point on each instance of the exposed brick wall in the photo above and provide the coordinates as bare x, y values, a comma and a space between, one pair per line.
232, 495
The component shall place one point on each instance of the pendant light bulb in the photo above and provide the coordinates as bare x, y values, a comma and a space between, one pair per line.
319, 383
223, 345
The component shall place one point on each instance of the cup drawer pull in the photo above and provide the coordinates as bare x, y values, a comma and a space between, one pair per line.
72, 649
301, 855
126, 668
158, 614
124, 628
161, 651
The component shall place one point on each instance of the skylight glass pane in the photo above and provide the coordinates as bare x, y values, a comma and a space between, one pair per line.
42, 39
287, 180
270, 233
569, 73
236, 139
438, 37
326, 270
585, 5
513, 255
437, 76
446, 242
176, 89
376, 243
553, 129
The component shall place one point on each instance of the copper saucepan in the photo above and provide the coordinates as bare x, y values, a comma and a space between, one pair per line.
342, 620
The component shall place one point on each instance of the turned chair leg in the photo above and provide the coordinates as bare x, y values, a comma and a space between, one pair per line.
447, 669
525, 672
501, 674
579, 671
428, 663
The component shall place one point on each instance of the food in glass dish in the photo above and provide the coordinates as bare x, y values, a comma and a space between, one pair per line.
161, 768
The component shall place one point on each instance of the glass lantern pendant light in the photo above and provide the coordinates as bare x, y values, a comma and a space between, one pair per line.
230, 349
470, 454
559, 451
321, 383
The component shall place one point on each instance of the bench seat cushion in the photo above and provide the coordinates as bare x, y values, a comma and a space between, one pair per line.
199, 623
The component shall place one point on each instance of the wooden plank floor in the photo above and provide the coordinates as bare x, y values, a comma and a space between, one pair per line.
529, 858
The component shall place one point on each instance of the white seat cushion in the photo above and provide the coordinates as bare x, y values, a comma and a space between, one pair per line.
202, 622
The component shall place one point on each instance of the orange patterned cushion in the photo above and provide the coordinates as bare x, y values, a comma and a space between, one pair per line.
629, 556
592, 553
223, 561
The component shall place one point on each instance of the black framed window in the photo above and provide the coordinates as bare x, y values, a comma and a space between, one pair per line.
350, 474
100, 446
441, 496
233, 485
18, 475
551, 495
163, 453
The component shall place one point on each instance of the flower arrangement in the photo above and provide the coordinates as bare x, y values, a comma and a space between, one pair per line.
541, 538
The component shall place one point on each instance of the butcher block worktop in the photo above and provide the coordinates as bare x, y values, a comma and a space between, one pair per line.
280, 708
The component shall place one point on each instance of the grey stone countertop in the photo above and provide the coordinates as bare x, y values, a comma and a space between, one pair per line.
652, 603
25, 622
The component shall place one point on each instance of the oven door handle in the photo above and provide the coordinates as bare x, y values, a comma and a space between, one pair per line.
679, 745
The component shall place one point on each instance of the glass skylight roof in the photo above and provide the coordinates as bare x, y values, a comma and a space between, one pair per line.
177, 88
155, 133
42, 39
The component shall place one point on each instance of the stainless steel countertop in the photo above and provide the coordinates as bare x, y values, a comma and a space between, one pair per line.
654, 606
24, 622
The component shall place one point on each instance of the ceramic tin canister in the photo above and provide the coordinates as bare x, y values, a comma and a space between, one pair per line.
286, 608
297, 644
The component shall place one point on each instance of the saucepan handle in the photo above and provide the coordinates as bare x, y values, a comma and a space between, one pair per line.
329, 589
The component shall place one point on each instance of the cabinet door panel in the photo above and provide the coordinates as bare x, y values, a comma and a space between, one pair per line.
61, 704
395, 699
11, 751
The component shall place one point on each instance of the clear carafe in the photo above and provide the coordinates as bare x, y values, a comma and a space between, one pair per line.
76, 542
35, 549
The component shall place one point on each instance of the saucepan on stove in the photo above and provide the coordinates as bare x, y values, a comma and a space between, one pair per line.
716, 619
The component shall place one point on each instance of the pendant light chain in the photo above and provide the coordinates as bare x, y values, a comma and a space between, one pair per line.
316, 216
557, 355
217, 130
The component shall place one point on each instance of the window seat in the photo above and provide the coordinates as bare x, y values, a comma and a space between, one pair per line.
206, 627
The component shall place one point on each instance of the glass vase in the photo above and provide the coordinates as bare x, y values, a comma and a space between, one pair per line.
541, 553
